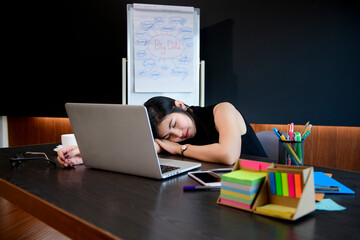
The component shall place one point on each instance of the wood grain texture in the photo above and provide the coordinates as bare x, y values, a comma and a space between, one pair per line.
18, 224
55, 217
327, 146
132, 207
36, 130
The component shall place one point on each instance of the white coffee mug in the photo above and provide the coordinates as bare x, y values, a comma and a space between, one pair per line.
68, 139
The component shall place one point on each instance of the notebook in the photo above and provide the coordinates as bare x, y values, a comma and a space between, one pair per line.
118, 138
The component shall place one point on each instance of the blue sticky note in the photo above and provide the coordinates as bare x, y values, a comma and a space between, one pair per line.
272, 183
328, 204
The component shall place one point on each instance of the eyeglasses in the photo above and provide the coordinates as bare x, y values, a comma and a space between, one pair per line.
26, 156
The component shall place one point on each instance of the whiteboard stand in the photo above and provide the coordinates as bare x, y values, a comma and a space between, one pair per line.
123, 80
202, 83
125, 84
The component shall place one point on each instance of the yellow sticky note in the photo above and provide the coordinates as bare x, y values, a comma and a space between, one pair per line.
239, 195
277, 210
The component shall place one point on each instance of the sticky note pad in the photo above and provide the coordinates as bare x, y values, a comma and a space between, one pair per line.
298, 187
250, 164
237, 190
278, 183
291, 185
272, 183
264, 166
285, 187
244, 189
244, 177
277, 210
238, 195
236, 199
235, 203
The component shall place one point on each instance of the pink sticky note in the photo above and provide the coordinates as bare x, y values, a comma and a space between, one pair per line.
264, 166
250, 164
235, 203
291, 185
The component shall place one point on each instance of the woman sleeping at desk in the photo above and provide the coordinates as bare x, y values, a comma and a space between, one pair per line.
216, 133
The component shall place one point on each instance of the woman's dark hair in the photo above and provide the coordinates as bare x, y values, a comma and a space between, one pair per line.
158, 108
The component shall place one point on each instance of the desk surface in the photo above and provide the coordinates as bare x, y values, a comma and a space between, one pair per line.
118, 205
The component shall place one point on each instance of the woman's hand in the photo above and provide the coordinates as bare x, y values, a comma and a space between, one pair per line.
158, 148
170, 147
69, 156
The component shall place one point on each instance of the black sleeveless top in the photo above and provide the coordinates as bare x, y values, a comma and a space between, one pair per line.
206, 132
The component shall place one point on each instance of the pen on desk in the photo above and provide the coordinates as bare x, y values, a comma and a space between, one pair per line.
199, 188
331, 188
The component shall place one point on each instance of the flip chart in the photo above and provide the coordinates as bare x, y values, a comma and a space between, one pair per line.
163, 48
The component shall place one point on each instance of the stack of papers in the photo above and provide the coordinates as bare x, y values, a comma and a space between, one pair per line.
239, 188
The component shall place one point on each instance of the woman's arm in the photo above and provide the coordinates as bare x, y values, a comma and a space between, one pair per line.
230, 125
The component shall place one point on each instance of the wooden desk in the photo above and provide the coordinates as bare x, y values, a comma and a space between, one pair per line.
91, 204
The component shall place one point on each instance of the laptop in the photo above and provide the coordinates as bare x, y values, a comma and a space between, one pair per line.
118, 138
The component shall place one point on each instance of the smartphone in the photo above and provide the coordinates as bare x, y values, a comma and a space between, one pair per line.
221, 171
206, 178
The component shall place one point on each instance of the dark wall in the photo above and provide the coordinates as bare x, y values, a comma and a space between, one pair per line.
276, 61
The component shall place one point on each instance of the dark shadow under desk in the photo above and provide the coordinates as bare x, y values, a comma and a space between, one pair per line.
90, 203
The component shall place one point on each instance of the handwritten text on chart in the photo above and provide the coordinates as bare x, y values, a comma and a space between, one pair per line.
165, 46
163, 51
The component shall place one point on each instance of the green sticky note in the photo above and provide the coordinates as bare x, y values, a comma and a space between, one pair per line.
244, 177
278, 184
285, 185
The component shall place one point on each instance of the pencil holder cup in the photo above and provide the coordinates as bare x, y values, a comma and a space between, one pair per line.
291, 153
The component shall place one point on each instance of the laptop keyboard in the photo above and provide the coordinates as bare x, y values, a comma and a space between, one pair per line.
165, 168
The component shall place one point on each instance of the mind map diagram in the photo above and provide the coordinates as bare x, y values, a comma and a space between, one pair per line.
163, 52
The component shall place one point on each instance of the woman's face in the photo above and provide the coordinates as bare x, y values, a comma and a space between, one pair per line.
177, 127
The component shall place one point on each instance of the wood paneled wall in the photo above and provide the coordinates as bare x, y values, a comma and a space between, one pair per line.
36, 130
326, 146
